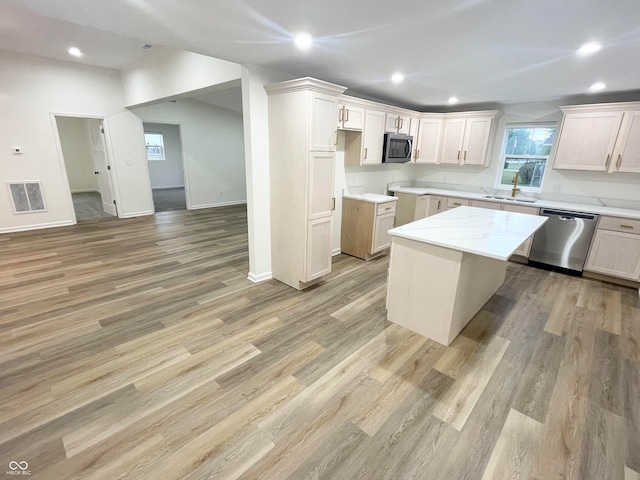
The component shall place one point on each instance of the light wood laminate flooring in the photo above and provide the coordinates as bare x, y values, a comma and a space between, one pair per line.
137, 348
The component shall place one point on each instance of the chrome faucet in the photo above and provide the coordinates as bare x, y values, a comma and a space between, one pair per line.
515, 183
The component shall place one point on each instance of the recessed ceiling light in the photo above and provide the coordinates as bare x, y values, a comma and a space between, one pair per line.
589, 48
397, 77
303, 41
452, 100
75, 52
597, 86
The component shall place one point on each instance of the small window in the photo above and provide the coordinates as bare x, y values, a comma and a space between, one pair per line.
526, 152
155, 145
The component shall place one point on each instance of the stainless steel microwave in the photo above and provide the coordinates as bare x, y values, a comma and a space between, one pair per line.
397, 148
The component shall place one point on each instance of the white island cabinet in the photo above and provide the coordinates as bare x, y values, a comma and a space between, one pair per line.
444, 268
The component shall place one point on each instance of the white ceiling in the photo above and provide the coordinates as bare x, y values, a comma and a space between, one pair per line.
481, 51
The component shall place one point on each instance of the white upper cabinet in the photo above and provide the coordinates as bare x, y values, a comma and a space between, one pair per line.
373, 137
323, 122
466, 139
428, 142
627, 150
396, 123
350, 117
452, 140
476, 141
601, 138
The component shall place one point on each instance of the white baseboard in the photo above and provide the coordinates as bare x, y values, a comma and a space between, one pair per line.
38, 226
221, 204
136, 214
335, 252
259, 278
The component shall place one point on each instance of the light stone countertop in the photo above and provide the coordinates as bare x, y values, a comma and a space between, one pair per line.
539, 203
370, 197
489, 233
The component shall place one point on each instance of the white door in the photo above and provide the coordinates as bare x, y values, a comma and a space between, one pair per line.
102, 167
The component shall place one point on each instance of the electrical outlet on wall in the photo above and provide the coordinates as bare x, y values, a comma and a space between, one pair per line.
556, 188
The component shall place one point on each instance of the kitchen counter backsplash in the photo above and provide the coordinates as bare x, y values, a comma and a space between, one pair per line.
550, 197
602, 206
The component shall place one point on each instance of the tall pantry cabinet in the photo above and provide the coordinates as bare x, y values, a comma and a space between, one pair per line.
303, 115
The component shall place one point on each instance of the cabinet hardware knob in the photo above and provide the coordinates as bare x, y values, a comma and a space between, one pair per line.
626, 226
606, 164
465, 155
346, 112
618, 161
417, 153
365, 154
458, 155
333, 203
340, 114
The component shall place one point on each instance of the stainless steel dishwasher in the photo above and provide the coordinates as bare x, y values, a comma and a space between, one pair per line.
563, 241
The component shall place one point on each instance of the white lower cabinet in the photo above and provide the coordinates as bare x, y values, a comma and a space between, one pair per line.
381, 239
615, 249
318, 248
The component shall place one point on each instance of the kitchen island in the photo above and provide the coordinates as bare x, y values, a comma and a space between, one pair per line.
444, 268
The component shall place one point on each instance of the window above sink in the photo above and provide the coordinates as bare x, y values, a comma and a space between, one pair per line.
525, 152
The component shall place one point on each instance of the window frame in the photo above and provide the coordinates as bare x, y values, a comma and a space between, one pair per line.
503, 155
164, 156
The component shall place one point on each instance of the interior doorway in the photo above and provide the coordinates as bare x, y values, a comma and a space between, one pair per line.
86, 161
166, 170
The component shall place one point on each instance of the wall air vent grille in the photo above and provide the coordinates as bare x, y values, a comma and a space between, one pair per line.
27, 197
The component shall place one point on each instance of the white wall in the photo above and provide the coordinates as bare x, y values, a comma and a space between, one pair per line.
78, 154
213, 148
31, 90
167, 173
167, 73
256, 145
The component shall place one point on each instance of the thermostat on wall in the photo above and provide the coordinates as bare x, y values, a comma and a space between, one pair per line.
16, 150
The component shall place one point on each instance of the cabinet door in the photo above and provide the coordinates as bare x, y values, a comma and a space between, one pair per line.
627, 151
350, 118
320, 184
586, 141
373, 136
318, 262
381, 239
452, 140
428, 143
616, 254
404, 123
524, 249
476, 141
392, 120
421, 207
435, 205
324, 116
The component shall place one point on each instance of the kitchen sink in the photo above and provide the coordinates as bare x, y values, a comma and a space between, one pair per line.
511, 199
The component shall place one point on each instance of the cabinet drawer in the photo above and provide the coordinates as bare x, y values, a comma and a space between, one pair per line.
387, 207
453, 202
618, 224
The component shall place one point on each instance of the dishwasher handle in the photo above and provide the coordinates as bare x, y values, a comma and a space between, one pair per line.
567, 216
